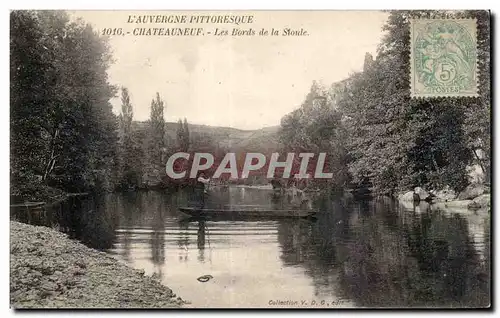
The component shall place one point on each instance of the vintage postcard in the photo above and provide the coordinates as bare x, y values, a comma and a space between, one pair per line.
250, 159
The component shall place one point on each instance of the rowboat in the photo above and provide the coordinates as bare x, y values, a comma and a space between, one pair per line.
238, 213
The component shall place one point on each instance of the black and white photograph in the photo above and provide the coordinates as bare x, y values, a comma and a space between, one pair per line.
284, 159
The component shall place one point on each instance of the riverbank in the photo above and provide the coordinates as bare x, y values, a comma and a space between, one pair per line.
475, 197
48, 270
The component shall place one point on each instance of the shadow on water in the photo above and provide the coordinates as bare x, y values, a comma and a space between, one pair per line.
90, 219
369, 253
378, 255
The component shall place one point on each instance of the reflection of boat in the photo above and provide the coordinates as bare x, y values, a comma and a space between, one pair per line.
260, 187
246, 212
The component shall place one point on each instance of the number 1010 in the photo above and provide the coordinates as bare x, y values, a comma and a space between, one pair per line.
112, 31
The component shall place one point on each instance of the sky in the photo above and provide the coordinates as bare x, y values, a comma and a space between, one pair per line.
241, 82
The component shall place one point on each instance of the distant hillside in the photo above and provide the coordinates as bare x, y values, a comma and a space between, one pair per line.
263, 140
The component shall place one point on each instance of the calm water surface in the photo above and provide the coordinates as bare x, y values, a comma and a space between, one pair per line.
356, 254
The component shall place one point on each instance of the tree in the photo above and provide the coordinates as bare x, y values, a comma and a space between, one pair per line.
397, 142
61, 118
30, 138
157, 123
126, 115
180, 134
155, 160
186, 135
317, 127
368, 61
477, 122
128, 152
183, 138
387, 139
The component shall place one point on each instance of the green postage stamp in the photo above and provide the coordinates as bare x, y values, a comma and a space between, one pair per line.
444, 58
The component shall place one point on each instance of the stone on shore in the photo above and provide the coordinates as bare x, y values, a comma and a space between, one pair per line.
482, 201
407, 197
417, 195
472, 191
455, 204
49, 270
422, 194
444, 195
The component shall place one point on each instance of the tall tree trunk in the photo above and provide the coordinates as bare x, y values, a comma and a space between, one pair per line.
479, 160
52, 159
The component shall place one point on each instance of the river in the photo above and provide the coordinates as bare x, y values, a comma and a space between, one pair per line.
371, 253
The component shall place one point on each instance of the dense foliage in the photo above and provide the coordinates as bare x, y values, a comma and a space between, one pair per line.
65, 137
129, 151
395, 142
183, 136
317, 127
60, 112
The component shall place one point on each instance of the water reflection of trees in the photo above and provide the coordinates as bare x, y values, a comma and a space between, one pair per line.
156, 207
200, 240
144, 210
376, 255
91, 219
183, 241
126, 209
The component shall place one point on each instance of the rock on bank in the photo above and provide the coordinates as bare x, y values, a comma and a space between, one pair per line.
48, 270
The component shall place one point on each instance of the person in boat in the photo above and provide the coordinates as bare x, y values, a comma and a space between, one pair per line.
203, 182
200, 190
298, 197
277, 185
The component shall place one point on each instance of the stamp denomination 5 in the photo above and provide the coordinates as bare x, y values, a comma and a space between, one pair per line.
443, 58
